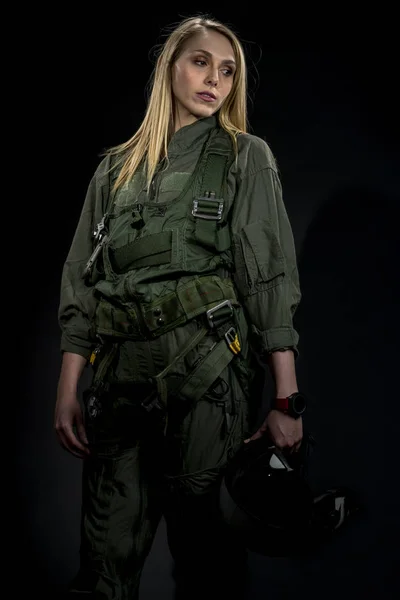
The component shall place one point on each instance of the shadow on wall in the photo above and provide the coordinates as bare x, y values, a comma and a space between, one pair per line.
348, 328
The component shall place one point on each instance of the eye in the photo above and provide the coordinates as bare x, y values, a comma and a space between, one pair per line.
201, 63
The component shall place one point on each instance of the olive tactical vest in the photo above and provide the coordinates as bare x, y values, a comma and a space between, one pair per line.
168, 271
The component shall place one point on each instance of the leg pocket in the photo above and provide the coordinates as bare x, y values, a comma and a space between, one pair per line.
200, 444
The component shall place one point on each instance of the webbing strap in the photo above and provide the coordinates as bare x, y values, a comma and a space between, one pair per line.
214, 172
200, 379
187, 302
160, 381
210, 201
151, 250
104, 365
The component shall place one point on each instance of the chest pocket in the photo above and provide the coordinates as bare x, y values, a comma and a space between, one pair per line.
130, 191
171, 185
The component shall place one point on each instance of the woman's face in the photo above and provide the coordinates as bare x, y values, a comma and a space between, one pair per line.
202, 77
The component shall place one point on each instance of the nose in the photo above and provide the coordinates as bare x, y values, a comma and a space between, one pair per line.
212, 78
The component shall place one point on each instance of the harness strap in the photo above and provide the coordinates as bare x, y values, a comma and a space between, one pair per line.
199, 380
208, 204
162, 388
196, 383
105, 363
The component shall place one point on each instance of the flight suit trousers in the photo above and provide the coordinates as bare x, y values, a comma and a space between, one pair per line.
145, 465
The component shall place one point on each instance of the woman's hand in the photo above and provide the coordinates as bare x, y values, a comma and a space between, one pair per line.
68, 415
285, 431
68, 412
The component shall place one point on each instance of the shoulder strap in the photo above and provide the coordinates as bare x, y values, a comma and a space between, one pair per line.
209, 206
215, 164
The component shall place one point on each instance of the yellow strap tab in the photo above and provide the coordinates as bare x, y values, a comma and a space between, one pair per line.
232, 340
94, 354
235, 345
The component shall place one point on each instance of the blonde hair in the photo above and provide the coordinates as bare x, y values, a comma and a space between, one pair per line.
150, 142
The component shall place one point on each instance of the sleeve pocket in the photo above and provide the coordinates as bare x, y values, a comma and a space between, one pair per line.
262, 253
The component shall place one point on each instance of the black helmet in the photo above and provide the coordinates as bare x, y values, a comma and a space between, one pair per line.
266, 499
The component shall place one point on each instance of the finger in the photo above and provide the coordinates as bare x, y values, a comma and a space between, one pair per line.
256, 436
71, 442
288, 445
81, 431
65, 445
296, 447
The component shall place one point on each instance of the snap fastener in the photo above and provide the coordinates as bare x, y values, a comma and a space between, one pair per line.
160, 322
157, 312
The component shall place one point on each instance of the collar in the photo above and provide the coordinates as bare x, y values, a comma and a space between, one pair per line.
191, 135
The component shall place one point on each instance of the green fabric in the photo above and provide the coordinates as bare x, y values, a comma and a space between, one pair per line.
153, 319
137, 474
149, 251
144, 463
199, 380
254, 244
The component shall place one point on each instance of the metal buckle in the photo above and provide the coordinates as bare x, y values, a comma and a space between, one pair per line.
206, 203
232, 340
211, 311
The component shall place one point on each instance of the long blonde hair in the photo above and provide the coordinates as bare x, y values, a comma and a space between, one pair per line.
150, 142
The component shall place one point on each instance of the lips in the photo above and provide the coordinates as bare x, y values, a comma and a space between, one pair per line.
207, 96
206, 93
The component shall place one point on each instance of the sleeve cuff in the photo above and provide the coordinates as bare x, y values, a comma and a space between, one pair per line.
83, 348
272, 340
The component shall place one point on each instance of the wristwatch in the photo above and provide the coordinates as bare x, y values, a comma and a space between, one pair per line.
293, 405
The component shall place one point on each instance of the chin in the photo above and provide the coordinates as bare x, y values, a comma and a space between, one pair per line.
204, 112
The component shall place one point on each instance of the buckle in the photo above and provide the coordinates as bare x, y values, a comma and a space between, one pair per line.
232, 340
210, 314
208, 207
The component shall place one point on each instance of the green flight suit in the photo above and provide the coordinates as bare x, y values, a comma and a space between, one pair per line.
149, 464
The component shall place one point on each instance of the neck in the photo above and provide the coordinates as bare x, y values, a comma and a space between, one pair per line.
183, 120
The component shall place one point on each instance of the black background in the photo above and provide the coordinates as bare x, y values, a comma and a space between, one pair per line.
323, 88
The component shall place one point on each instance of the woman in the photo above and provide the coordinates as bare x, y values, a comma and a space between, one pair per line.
190, 274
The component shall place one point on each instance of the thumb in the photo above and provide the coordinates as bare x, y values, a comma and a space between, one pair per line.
259, 433
255, 436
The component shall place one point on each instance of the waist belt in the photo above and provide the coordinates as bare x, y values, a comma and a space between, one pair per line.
150, 320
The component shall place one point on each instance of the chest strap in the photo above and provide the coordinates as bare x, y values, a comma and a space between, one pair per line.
155, 249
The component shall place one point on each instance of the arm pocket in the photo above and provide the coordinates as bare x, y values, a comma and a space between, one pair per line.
263, 257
